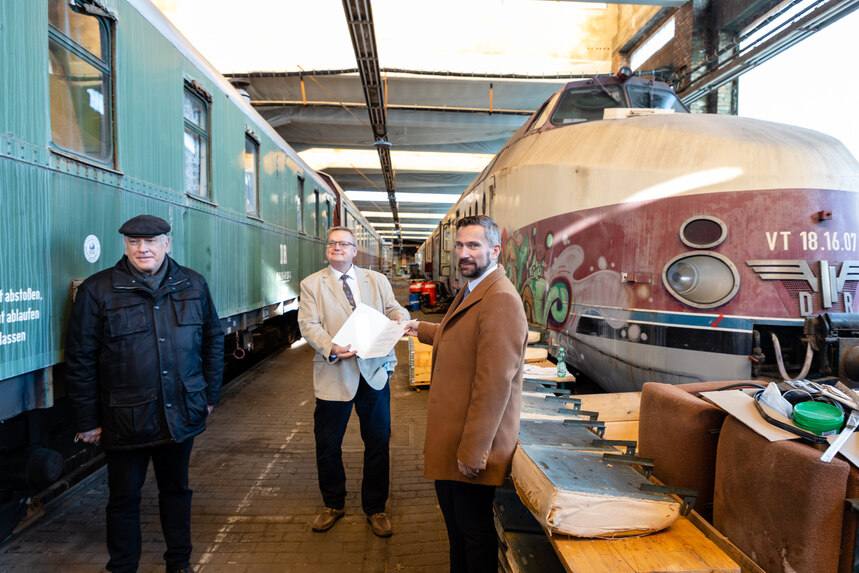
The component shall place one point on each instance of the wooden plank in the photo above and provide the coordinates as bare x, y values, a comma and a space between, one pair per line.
535, 354
613, 407
622, 430
745, 562
420, 357
681, 548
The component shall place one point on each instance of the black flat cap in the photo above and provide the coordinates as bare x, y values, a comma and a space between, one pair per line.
145, 226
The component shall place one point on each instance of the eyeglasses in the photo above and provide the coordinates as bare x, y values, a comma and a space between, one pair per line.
341, 244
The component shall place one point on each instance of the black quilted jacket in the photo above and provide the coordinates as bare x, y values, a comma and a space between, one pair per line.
143, 366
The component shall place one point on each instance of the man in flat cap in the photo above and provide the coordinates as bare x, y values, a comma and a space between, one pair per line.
144, 353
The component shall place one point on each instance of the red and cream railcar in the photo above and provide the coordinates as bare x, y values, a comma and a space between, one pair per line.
658, 245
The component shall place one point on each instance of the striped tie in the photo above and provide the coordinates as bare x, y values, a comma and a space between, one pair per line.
348, 291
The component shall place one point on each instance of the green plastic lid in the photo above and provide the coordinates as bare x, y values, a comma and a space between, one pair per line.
818, 417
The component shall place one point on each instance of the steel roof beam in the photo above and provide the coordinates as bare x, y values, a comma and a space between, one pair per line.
746, 59
359, 16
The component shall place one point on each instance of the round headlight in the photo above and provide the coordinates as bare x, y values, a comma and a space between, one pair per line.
682, 276
701, 279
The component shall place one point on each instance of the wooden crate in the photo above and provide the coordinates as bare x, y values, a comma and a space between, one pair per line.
420, 363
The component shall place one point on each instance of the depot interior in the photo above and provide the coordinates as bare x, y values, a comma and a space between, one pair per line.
409, 129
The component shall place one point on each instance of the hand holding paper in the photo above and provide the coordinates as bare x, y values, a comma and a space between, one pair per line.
369, 332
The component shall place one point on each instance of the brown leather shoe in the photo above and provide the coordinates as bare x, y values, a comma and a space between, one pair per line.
326, 519
380, 524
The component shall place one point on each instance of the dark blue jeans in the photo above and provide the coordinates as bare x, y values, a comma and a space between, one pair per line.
126, 472
330, 420
467, 511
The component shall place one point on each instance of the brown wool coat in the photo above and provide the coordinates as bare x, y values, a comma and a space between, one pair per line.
476, 386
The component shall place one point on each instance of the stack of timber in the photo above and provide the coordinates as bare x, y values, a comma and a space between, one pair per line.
420, 363
572, 473
522, 546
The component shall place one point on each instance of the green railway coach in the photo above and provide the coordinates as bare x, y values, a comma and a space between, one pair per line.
107, 112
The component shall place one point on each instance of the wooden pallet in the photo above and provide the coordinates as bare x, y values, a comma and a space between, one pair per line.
420, 364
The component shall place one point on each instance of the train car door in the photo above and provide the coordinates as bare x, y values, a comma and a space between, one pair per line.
428, 255
456, 278
488, 195
445, 248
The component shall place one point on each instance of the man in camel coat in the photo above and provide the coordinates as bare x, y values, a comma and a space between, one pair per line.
475, 395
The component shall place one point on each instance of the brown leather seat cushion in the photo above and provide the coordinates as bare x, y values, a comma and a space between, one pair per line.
851, 518
679, 431
778, 502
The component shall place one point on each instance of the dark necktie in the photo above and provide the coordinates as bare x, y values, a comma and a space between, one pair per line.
462, 300
348, 291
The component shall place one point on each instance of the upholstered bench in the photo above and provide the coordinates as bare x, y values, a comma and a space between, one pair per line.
779, 503
680, 432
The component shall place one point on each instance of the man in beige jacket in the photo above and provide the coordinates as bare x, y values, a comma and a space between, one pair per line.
475, 394
342, 380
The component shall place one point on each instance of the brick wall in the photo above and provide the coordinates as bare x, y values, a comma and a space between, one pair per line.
678, 51
693, 42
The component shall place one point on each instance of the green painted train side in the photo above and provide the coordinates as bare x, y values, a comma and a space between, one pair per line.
53, 202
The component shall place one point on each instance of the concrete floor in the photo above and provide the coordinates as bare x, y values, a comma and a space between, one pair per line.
255, 492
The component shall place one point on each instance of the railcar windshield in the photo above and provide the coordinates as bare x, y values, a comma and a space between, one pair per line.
653, 97
587, 103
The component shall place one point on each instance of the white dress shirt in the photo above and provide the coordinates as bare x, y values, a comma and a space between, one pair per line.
472, 284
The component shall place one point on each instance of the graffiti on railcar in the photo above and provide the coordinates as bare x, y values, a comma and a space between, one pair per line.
547, 298
551, 272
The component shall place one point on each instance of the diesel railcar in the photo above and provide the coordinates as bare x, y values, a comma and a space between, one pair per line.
107, 112
658, 245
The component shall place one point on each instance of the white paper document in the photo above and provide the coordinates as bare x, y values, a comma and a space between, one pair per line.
369, 332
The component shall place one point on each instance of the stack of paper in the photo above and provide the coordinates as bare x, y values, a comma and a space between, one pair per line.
369, 332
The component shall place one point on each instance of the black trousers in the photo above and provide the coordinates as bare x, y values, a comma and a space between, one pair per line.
126, 472
467, 511
330, 420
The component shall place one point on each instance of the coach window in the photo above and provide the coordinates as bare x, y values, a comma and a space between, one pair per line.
251, 176
300, 206
80, 81
196, 111
316, 213
328, 222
